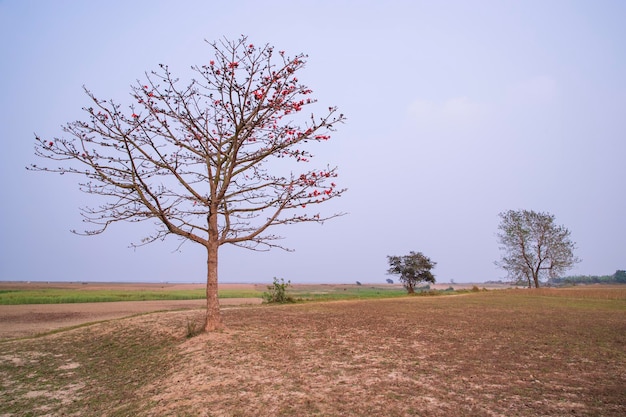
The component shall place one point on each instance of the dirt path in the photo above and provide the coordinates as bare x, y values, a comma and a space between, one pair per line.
31, 319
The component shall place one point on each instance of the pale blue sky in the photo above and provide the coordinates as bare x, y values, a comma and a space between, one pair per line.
457, 110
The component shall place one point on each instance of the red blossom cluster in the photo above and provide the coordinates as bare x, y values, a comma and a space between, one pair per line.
323, 174
314, 177
317, 193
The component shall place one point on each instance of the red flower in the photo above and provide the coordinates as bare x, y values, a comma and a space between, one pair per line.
50, 143
212, 62
134, 116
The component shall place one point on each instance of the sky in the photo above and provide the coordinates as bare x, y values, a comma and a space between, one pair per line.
457, 111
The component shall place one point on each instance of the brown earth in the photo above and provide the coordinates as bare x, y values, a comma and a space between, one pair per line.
496, 353
31, 319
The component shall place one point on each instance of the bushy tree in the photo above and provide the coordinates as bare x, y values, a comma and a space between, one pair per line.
533, 246
217, 160
620, 276
277, 292
412, 269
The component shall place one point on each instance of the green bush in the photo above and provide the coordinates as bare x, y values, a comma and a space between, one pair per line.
277, 292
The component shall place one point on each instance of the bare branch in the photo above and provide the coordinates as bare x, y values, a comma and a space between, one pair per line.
534, 247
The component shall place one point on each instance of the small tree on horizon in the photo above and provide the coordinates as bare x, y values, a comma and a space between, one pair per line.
412, 269
195, 157
534, 247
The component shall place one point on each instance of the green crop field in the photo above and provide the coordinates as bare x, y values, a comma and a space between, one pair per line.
119, 292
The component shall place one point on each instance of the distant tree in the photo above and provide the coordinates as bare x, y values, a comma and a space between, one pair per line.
389, 281
195, 157
620, 276
358, 283
412, 269
533, 246
583, 279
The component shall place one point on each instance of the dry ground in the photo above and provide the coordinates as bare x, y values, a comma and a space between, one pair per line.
500, 353
32, 319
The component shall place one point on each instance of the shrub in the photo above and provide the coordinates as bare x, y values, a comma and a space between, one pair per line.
277, 292
193, 329
475, 289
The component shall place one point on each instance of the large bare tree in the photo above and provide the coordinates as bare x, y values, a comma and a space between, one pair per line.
533, 246
217, 160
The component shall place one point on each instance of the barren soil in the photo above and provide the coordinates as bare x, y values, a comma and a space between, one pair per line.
498, 353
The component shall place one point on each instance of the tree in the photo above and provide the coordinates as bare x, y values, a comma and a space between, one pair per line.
195, 158
277, 292
412, 269
534, 246
620, 276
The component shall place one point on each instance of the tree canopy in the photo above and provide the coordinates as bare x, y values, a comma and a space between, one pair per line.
533, 246
220, 159
412, 269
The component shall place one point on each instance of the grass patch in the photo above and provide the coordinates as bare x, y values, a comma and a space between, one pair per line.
62, 296
297, 292
105, 364
65, 295
238, 293
343, 292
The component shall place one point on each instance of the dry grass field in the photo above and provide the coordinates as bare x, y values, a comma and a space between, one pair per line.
497, 353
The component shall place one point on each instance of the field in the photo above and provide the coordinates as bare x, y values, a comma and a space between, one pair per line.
17, 293
552, 352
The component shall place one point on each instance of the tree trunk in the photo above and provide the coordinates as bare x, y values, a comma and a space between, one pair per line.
536, 278
213, 320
